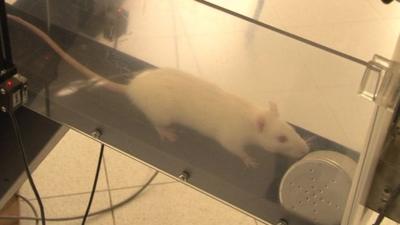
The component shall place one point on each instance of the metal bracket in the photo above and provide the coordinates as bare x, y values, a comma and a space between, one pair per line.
381, 82
382, 195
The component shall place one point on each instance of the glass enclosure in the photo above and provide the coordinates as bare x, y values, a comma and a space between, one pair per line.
258, 119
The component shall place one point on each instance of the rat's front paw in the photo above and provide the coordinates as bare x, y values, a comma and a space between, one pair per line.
168, 134
250, 162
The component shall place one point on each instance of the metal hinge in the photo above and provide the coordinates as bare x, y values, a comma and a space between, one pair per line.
381, 82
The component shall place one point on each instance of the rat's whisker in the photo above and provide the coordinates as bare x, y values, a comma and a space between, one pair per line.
309, 140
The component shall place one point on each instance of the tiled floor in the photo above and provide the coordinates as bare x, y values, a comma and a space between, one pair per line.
346, 26
313, 89
65, 185
65, 191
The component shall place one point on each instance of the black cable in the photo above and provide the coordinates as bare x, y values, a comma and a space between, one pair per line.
47, 98
29, 203
27, 170
94, 184
5, 46
114, 207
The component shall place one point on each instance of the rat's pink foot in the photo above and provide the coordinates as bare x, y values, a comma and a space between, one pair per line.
250, 162
168, 134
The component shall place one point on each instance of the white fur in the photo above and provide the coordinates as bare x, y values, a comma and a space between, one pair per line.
168, 96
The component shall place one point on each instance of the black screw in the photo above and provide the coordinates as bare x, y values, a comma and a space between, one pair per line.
184, 176
386, 190
282, 222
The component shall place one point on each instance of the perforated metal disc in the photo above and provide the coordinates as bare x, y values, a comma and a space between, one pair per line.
317, 186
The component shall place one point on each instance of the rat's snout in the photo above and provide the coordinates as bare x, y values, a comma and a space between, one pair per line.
301, 149
306, 149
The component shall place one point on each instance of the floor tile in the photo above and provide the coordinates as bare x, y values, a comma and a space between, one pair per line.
124, 171
260, 10
257, 63
187, 59
386, 11
307, 109
150, 18
202, 20
312, 12
11, 1
353, 113
71, 206
358, 39
144, 48
68, 169
328, 70
175, 204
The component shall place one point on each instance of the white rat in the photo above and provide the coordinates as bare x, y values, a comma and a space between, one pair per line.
169, 96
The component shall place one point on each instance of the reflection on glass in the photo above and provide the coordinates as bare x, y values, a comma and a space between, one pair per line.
241, 107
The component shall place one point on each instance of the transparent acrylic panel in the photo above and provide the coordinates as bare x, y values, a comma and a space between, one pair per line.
239, 147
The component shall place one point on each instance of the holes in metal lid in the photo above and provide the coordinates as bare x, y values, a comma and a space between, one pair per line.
386, 190
320, 194
314, 203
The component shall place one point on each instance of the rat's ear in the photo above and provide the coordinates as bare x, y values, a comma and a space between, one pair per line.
273, 108
260, 122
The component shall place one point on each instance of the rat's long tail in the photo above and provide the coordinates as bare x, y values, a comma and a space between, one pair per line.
68, 58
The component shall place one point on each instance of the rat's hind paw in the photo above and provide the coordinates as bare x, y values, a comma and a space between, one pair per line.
167, 134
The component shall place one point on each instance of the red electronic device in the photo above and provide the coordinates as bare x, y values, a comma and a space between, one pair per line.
13, 93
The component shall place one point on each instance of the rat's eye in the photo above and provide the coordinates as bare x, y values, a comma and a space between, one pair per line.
282, 138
